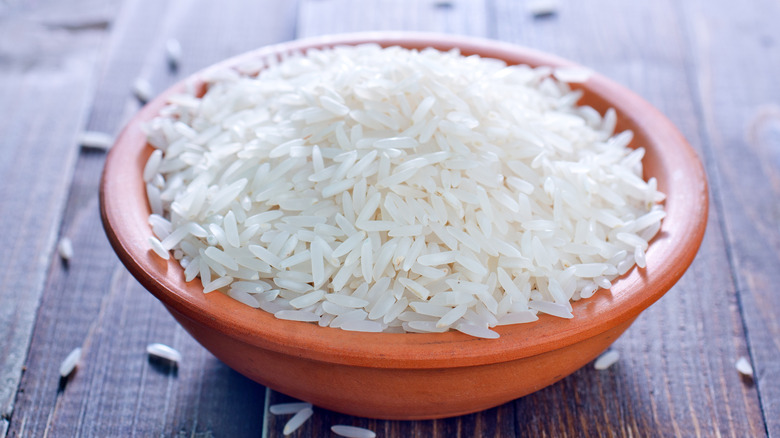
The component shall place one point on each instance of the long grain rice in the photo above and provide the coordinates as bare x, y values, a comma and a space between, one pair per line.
163, 351
423, 191
352, 431
70, 362
744, 367
65, 248
288, 408
96, 140
606, 360
297, 420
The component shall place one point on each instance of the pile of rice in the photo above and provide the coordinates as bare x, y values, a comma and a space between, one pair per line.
397, 190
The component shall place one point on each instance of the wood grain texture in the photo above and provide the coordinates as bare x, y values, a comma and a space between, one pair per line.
734, 57
676, 377
95, 303
39, 63
496, 422
321, 17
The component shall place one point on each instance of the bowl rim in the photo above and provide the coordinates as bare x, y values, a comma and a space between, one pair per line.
669, 255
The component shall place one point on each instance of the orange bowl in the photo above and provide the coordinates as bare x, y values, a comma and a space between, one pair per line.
415, 376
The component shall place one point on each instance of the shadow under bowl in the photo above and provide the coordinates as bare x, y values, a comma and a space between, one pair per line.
415, 376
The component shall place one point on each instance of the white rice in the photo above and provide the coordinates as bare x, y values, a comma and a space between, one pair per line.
572, 75
297, 420
386, 189
352, 431
142, 89
158, 248
744, 367
71, 362
541, 8
96, 140
65, 248
163, 351
173, 53
606, 360
288, 408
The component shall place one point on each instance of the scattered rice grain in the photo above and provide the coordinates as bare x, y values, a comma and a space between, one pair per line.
70, 363
288, 408
65, 249
143, 91
297, 420
163, 351
606, 360
352, 431
96, 140
744, 367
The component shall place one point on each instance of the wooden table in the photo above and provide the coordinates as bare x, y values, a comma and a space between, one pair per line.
65, 67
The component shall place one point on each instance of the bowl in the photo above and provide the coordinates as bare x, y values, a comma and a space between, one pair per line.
415, 376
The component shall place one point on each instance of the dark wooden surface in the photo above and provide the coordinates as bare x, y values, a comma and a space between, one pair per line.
65, 67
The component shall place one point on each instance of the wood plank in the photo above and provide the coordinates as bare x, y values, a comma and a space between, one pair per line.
318, 17
39, 63
496, 422
733, 48
677, 376
95, 303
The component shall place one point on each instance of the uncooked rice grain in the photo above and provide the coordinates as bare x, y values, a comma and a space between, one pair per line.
390, 189
297, 420
288, 408
173, 53
606, 360
540, 8
352, 431
744, 367
65, 248
158, 248
70, 363
142, 89
96, 140
163, 351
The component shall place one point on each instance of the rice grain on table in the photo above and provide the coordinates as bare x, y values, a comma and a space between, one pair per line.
65, 248
297, 420
606, 360
352, 431
142, 89
744, 367
96, 140
173, 53
541, 8
163, 351
288, 408
70, 362
389, 189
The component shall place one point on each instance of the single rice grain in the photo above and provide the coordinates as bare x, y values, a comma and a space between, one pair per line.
65, 248
352, 431
297, 420
288, 408
163, 351
606, 360
744, 367
70, 362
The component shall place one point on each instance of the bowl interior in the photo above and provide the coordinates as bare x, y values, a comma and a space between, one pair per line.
669, 158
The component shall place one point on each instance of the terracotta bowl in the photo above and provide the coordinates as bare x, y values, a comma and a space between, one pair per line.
415, 376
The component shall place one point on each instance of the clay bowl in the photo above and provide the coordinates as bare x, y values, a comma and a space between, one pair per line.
416, 376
